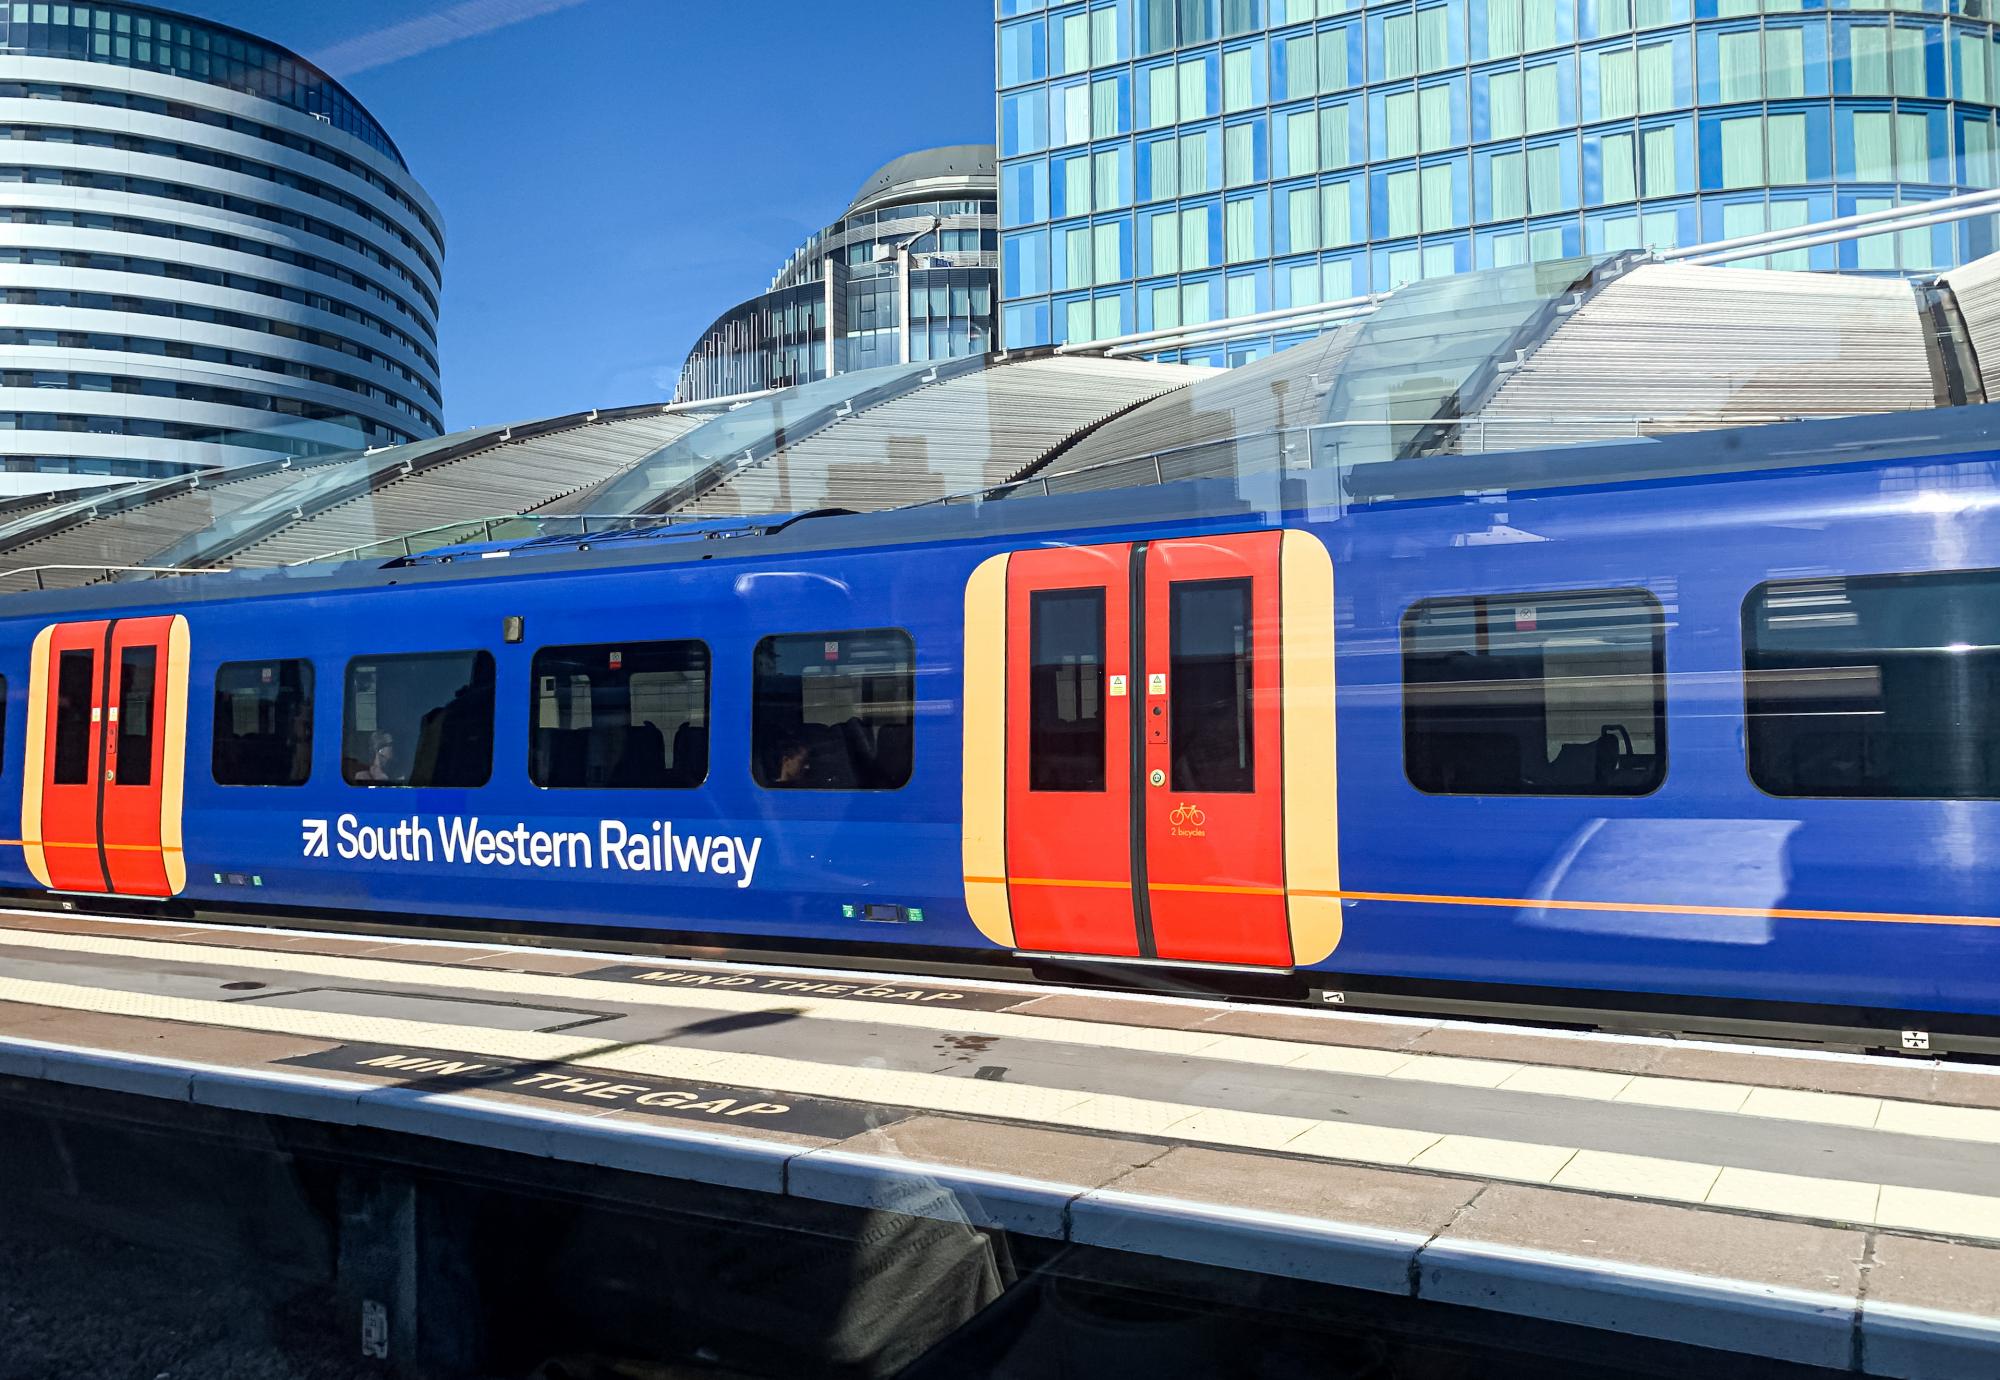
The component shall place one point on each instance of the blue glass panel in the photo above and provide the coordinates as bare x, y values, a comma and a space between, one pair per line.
1937, 146
1819, 137
1024, 264
1236, 58
1248, 291
1024, 124
1844, 57
1154, 228
1708, 60
1566, 233
1934, 83
1352, 38
1285, 273
1024, 52
1118, 24
1460, 131
1356, 229
1023, 324
1070, 247
1816, 78
1256, 210
1207, 288
1122, 226
1242, 16
1348, 115
1061, 60
1679, 179
1159, 168
1253, 135
1069, 172
1292, 81
1060, 313
1143, 114
1024, 192
1122, 297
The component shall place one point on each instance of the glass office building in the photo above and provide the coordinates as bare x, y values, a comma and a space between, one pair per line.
907, 274
1166, 163
210, 254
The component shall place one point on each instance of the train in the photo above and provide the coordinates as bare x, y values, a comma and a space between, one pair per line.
1706, 723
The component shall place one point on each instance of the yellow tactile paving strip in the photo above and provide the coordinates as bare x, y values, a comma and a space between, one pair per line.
1834, 1109
1828, 1200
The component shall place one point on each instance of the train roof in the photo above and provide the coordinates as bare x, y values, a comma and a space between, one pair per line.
1944, 436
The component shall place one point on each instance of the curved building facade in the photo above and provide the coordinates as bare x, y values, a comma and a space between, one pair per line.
1166, 163
908, 273
210, 253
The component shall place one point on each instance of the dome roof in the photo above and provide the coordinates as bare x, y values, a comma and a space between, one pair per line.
957, 168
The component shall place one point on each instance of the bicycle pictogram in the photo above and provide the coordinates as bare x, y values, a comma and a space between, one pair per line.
1185, 815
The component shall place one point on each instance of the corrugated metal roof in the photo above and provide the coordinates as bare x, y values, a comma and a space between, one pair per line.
507, 477
960, 434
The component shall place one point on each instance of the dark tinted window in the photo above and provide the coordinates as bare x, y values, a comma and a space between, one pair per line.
422, 720
833, 711
1208, 685
1066, 690
1535, 694
136, 719
620, 716
1878, 686
263, 723
76, 677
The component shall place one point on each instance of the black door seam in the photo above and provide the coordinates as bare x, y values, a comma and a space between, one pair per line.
103, 745
1142, 901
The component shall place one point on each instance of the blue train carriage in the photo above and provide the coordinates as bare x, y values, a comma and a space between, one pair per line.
1701, 719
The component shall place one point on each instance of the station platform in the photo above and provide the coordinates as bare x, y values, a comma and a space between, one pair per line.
1826, 1210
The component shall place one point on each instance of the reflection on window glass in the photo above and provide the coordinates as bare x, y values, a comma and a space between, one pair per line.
76, 673
1876, 686
1209, 685
1535, 694
620, 716
420, 720
135, 716
833, 711
1066, 690
263, 723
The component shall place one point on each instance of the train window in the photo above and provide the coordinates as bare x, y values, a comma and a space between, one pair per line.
76, 677
263, 723
1066, 690
621, 715
424, 719
1209, 698
833, 711
135, 716
1535, 694
1879, 686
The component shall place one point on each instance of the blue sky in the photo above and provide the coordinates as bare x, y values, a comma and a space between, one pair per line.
615, 173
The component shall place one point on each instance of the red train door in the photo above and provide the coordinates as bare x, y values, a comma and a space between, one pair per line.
1069, 751
1144, 751
1214, 760
107, 718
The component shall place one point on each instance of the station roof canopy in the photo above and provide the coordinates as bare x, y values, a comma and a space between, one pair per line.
1514, 359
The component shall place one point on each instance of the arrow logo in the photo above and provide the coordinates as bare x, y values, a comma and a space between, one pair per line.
315, 838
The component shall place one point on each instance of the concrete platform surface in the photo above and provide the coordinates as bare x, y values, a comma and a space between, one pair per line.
1833, 1210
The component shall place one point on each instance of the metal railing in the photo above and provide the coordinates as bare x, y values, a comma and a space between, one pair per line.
1320, 445
499, 527
39, 571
